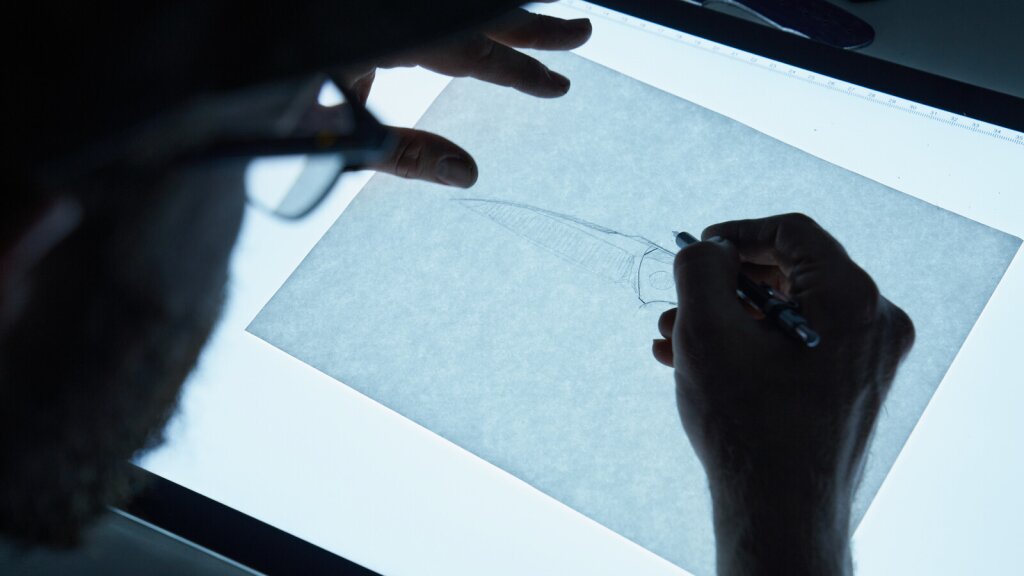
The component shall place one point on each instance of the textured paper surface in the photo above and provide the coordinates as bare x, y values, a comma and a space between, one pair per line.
511, 319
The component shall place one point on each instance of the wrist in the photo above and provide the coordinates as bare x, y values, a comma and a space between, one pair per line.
781, 525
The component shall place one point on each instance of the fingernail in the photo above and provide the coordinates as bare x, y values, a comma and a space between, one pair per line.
455, 171
716, 239
578, 24
562, 81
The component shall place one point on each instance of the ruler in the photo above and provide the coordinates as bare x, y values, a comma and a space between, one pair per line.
819, 80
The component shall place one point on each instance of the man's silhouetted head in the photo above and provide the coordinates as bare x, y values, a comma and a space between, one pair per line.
112, 275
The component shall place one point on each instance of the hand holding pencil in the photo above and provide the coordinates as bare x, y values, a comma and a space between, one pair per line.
780, 427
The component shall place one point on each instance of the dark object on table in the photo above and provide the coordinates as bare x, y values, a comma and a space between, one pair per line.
815, 19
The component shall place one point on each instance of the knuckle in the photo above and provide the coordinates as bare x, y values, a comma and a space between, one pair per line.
480, 49
798, 220
902, 327
406, 163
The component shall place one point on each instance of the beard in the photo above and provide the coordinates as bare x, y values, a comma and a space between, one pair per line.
92, 369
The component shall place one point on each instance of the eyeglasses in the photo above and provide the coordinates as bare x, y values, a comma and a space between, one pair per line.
299, 137
322, 133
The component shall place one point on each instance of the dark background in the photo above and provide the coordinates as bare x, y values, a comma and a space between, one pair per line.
979, 42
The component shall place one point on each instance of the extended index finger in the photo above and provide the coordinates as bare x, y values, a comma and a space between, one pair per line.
524, 29
480, 57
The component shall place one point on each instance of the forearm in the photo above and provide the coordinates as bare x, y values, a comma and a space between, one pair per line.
793, 528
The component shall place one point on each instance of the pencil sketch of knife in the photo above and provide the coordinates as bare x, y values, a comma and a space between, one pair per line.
629, 260
815, 19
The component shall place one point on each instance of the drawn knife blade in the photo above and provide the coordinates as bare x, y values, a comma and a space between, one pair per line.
629, 260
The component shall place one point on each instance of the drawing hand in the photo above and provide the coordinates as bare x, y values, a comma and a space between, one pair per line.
489, 55
781, 429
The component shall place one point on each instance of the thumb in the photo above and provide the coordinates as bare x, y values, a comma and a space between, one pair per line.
706, 274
